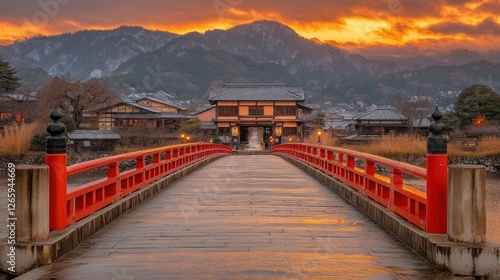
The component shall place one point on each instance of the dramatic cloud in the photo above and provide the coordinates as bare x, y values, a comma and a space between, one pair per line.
353, 24
485, 27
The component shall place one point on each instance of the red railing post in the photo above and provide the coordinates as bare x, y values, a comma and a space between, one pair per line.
156, 164
341, 170
140, 163
369, 167
114, 174
322, 160
350, 161
182, 158
330, 158
437, 177
56, 158
315, 156
175, 159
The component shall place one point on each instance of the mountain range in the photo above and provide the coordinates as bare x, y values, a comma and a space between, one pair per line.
259, 52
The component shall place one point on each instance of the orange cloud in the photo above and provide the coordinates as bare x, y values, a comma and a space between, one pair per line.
351, 24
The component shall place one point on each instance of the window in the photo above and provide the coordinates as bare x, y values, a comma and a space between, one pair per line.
289, 131
223, 131
227, 110
256, 110
285, 111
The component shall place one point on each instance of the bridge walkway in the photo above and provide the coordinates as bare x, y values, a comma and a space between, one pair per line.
242, 217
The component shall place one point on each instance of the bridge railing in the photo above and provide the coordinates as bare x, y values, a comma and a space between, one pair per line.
68, 206
359, 171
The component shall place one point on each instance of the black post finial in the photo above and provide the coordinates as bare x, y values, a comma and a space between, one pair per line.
56, 142
436, 142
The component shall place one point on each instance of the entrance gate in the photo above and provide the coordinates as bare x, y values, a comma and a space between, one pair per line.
244, 135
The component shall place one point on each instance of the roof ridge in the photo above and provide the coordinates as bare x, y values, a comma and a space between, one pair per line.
262, 85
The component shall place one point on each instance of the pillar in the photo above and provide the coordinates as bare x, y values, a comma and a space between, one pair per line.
56, 159
466, 204
32, 203
437, 176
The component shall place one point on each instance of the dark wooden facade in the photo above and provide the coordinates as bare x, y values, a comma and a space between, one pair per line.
273, 107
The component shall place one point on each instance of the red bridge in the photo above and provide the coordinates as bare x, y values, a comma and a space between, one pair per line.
254, 216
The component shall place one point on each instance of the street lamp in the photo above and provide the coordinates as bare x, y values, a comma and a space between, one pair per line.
188, 138
183, 137
319, 137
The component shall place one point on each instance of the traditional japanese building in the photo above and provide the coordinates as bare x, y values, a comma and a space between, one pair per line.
144, 112
206, 117
273, 108
93, 141
382, 121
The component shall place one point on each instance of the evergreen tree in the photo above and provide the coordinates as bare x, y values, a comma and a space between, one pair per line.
9, 82
477, 100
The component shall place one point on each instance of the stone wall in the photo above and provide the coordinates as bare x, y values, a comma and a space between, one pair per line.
492, 164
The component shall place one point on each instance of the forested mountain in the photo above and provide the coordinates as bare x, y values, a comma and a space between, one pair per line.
188, 72
263, 51
84, 54
259, 52
441, 82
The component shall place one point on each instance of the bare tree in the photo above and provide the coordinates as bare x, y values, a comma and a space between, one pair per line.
76, 98
415, 109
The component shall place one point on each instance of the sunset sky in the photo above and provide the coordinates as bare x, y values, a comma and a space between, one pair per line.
369, 24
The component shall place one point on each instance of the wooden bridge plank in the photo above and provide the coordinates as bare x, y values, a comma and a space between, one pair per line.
242, 217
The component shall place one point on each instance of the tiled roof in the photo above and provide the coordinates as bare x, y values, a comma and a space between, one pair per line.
164, 115
383, 114
32, 96
130, 103
161, 102
93, 135
203, 110
256, 92
424, 122
209, 125
134, 103
337, 124
143, 107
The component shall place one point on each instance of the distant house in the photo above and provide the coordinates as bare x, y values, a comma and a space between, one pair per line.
338, 125
17, 107
421, 126
272, 108
382, 121
207, 117
86, 141
146, 113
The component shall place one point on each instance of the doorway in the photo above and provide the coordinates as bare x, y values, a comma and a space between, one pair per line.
253, 137
244, 134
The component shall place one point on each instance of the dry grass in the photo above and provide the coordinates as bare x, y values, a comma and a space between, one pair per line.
395, 146
407, 146
487, 146
16, 139
326, 139
490, 144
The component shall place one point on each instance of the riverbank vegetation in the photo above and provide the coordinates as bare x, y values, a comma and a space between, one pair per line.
407, 146
15, 139
414, 146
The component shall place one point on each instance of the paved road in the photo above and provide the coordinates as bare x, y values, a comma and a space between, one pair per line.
242, 217
254, 143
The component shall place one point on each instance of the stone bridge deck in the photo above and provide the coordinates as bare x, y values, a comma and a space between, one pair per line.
242, 217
